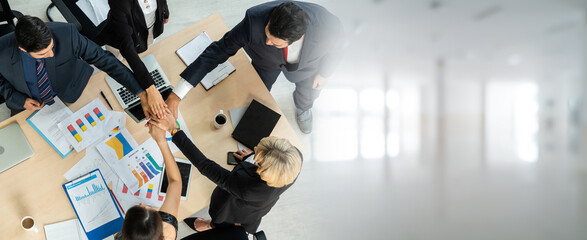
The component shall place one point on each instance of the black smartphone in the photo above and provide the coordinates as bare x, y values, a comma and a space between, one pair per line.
230, 159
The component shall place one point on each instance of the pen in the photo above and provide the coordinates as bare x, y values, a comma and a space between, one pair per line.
102, 93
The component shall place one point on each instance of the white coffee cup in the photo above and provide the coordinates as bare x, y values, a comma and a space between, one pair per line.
28, 224
220, 119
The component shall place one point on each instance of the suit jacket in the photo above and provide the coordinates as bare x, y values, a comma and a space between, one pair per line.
127, 31
320, 51
68, 70
240, 196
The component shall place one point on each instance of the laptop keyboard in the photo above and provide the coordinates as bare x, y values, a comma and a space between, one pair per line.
128, 97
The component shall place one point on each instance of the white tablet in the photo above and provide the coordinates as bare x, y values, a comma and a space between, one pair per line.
185, 169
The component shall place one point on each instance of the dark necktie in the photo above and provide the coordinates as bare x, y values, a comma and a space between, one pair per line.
43, 82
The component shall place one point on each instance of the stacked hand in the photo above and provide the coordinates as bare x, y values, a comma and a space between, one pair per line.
167, 123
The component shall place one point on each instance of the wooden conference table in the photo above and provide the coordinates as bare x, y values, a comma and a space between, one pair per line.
33, 187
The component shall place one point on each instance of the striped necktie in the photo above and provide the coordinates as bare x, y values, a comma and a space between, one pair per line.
285, 54
45, 89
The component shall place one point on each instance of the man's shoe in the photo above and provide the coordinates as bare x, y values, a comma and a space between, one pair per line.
304, 119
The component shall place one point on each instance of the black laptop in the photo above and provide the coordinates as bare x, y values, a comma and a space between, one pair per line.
257, 122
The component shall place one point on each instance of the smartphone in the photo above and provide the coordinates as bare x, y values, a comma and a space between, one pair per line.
230, 159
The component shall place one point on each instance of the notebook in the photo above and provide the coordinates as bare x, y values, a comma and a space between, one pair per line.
192, 50
14, 147
257, 122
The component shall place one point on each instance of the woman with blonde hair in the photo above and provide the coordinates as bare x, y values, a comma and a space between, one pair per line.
247, 193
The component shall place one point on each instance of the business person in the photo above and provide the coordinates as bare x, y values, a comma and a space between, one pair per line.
40, 61
143, 222
302, 40
247, 193
131, 27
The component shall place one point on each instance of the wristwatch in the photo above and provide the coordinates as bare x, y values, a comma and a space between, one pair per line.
174, 131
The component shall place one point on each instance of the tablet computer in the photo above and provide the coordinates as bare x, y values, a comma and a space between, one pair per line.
185, 169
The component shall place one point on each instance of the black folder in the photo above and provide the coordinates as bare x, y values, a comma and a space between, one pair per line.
257, 122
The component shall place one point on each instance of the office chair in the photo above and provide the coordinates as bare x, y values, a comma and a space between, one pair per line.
8, 16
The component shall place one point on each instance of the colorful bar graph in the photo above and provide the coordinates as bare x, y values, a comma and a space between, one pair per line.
81, 125
90, 119
153, 162
152, 169
144, 176
99, 114
146, 170
134, 172
73, 132
150, 191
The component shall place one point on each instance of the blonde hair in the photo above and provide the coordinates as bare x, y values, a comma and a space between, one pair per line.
279, 161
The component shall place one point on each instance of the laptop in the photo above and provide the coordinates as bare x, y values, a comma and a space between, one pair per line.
130, 102
14, 148
257, 122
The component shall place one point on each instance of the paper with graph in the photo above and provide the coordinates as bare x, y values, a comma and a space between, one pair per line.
148, 194
136, 166
92, 201
86, 126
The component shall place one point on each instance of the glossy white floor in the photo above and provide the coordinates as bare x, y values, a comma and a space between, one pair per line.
446, 120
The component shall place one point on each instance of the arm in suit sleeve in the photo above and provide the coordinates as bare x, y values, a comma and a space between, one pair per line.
165, 9
333, 54
218, 52
14, 99
105, 61
217, 174
122, 30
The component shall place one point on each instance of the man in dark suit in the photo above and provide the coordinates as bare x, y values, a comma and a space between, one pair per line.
41, 61
302, 40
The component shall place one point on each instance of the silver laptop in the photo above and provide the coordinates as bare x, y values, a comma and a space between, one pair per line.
130, 102
14, 148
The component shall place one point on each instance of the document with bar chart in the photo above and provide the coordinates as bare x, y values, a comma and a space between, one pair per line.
86, 126
136, 166
94, 205
148, 194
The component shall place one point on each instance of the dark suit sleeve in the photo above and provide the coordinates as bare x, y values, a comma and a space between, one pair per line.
165, 9
216, 173
122, 32
218, 52
105, 61
333, 55
14, 99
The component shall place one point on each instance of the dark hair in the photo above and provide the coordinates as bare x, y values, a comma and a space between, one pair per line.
142, 223
288, 22
32, 34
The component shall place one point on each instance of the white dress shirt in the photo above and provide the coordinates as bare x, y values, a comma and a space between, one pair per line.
149, 7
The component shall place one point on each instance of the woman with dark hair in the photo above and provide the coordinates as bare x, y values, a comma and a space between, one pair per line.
131, 27
142, 222
244, 195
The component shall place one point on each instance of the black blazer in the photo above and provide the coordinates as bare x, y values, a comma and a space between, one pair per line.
127, 31
68, 70
320, 51
240, 196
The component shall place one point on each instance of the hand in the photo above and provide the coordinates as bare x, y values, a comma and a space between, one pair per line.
240, 154
157, 133
165, 20
319, 82
155, 101
32, 104
166, 123
145, 104
173, 103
